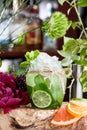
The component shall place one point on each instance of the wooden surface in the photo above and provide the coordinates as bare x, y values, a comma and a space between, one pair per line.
26, 119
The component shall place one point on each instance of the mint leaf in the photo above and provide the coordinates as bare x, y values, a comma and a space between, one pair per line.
56, 89
82, 3
24, 64
53, 86
42, 83
29, 57
30, 79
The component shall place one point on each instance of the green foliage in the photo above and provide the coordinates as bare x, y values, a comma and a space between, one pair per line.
83, 80
74, 51
29, 57
57, 25
56, 89
82, 3
52, 85
20, 39
75, 24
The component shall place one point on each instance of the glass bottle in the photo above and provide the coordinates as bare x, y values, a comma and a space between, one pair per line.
33, 39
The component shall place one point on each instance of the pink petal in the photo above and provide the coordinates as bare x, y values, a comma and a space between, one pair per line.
13, 101
4, 99
8, 91
2, 104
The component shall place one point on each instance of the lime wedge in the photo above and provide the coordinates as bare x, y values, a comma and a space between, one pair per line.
41, 99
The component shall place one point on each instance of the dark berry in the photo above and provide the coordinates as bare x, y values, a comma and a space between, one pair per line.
21, 82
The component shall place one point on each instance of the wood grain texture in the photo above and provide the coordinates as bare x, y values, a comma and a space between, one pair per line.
33, 119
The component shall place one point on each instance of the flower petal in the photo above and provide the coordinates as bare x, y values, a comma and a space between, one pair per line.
13, 101
2, 104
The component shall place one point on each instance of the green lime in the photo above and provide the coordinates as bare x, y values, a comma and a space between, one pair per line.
41, 99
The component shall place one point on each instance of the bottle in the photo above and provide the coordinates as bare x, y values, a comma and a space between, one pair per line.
33, 39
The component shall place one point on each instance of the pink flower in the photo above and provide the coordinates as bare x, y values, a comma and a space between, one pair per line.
10, 96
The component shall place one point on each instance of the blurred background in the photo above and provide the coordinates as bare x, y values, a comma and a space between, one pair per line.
18, 17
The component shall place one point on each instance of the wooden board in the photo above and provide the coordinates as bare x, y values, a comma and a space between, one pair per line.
33, 119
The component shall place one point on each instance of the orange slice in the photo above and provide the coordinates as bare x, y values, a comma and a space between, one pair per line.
76, 109
63, 117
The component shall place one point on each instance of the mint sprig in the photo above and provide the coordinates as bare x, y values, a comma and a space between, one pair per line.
29, 56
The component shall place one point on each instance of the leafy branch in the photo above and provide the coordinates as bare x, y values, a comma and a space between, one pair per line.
73, 50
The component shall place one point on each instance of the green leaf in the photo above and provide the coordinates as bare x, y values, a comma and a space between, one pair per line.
74, 24
82, 62
0, 62
83, 80
39, 79
66, 39
74, 51
66, 61
65, 53
41, 83
20, 39
30, 79
61, 1
24, 64
45, 26
83, 53
31, 55
57, 25
82, 3
19, 72
70, 45
56, 89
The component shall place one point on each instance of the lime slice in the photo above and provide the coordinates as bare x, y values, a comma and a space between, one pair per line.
41, 99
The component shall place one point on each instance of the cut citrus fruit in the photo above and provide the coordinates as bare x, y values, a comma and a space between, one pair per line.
76, 110
41, 99
79, 102
63, 117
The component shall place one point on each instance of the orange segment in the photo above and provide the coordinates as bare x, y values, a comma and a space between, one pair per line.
63, 117
76, 110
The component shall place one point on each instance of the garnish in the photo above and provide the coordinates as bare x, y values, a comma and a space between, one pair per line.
77, 107
71, 112
52, 86
41, 99
63, 117
29, 57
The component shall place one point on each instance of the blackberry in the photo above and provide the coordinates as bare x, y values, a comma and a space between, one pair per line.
20, 81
